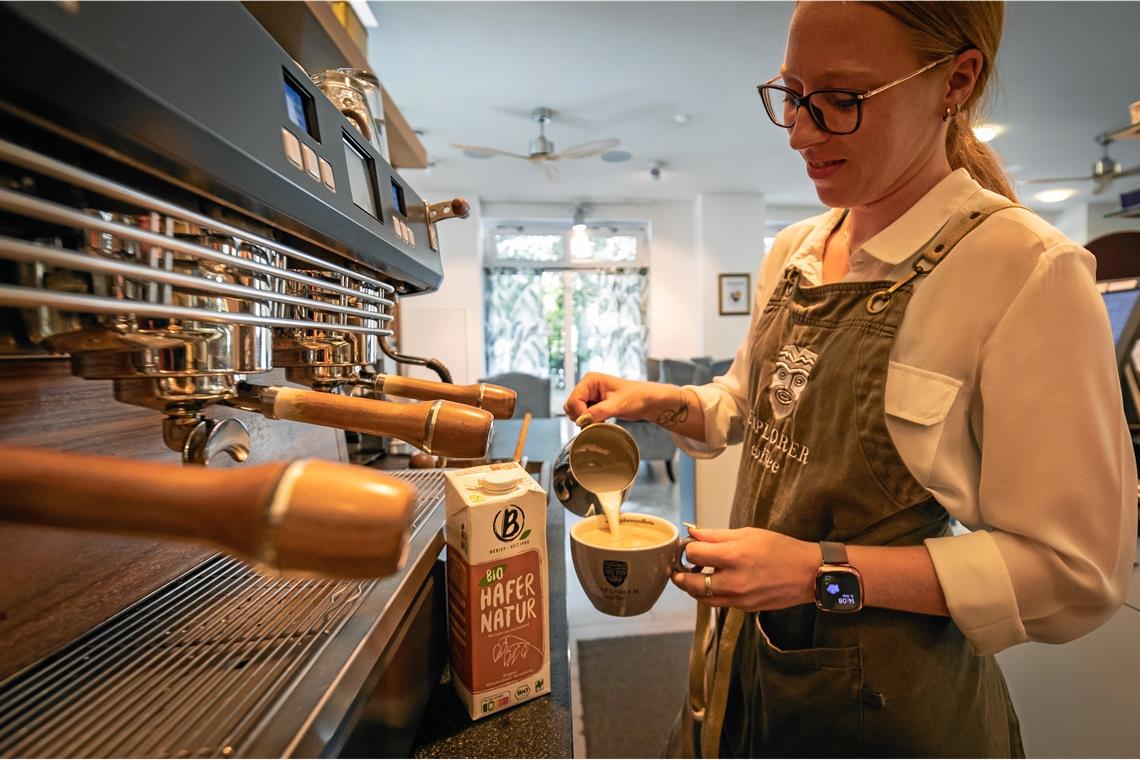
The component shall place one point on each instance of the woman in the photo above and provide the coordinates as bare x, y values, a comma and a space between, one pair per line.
924, 349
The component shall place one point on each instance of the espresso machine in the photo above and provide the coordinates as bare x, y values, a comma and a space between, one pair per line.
201, 257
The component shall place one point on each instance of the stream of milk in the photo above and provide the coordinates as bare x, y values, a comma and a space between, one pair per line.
608, 487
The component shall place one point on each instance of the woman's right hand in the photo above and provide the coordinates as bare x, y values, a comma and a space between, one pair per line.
603, 396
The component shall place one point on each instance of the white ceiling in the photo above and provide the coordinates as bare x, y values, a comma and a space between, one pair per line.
471, 72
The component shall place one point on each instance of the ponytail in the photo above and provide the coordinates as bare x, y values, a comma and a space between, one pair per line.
966, 151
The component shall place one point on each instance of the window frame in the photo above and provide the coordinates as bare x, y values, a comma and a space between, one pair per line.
639, 230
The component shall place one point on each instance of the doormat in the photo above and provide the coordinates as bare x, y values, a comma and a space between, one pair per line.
632, 689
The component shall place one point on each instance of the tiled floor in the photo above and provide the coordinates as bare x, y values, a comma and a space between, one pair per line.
674, 611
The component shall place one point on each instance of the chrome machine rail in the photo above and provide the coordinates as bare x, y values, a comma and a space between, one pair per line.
49, 167
324, 296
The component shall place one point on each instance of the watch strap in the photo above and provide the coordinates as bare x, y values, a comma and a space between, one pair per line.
834, 553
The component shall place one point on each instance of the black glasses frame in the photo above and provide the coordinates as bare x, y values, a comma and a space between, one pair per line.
858, 95
806, 100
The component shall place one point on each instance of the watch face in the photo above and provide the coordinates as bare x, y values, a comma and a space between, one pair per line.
838, 591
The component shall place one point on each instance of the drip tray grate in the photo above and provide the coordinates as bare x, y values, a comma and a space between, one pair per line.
189, 671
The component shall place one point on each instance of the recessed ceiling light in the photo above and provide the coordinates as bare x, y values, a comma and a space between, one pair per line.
987, 132
1055, 196
616, 156
681, 118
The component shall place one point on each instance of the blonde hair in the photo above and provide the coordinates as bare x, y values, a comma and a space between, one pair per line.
938, 29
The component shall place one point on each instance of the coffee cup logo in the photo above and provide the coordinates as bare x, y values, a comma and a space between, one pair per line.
793, 368
615, 571
509, 523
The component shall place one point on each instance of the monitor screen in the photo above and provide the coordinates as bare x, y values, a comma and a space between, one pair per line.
1120, 304
1120, 299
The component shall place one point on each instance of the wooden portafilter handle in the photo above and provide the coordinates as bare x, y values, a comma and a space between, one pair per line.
438, 427
454, 208
496, 399
309, 516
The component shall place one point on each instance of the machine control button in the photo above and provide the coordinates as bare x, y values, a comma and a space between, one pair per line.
311, 162
292, 148
327, 175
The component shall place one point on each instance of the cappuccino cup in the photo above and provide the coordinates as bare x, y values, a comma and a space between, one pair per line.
624, 575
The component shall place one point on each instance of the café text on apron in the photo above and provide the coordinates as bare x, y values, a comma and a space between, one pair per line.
819, 464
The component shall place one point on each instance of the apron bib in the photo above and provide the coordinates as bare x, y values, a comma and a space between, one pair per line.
819, 464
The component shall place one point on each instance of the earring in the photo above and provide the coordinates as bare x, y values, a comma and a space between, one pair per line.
951, 114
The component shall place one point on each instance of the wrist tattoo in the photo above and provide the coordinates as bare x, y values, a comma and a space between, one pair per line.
674, 417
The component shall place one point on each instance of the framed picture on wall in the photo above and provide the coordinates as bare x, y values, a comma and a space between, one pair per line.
735, 293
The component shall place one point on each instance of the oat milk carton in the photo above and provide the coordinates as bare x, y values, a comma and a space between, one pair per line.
497, 586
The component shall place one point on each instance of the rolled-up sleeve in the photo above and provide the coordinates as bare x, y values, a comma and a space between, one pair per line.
1057, 476
724, 403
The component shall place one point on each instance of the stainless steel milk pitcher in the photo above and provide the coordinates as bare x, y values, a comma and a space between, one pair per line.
599, 448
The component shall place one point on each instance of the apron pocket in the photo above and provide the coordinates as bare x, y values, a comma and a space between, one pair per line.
809, 702
916, 402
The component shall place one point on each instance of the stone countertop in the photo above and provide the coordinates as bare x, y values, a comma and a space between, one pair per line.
541, 727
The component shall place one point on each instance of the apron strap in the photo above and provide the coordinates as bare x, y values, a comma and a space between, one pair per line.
702, 634
725, 656
936, 249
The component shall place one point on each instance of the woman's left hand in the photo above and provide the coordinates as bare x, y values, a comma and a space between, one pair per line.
754, 569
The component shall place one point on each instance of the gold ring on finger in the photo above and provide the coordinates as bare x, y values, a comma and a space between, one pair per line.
708, 584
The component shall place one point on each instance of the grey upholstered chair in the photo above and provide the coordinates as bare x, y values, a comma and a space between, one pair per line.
534, 392
679, 372
654, 443
721, 367
652, 370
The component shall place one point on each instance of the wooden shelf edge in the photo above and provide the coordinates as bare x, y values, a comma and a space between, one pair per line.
1125, 213
405, 151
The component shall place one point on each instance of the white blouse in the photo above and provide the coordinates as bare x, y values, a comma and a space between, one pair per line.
1003, 400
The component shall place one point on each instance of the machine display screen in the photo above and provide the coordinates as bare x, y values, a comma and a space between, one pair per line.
398, 198
299, 106
361, 177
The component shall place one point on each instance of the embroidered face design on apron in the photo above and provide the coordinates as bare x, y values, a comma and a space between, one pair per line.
793, 368
818, 463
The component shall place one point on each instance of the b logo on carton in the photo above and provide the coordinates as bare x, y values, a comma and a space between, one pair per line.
509, 523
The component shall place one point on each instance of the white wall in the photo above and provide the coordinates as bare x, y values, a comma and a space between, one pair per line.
448, 324
1074, 223
1086, 221
730, 233
1098, 225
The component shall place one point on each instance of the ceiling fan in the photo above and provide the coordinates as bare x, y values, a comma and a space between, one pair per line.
541, 150
1104, 172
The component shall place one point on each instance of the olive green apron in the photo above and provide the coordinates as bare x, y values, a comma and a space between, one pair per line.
819, 464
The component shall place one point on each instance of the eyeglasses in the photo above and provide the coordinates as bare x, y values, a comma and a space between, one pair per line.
835, 110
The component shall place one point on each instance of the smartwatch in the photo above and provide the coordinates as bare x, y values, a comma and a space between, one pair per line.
838, 586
